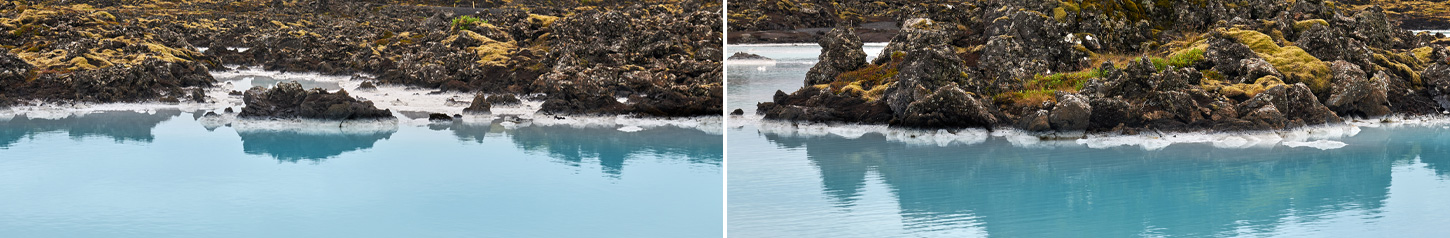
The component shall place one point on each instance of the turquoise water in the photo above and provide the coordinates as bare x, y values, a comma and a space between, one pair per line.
1386, 181
164, 174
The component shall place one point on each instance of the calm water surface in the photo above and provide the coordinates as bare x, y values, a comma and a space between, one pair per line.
1385, 182
163, 174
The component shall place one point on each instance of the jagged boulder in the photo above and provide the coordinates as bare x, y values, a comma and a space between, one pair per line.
1071, 113
480, 104
1109, 112
916, 33
840, 52
1353, 94
1295, 101
1228, 58
503, 99
948, 107
924, 69
1330, 44
1024, 43
289, 100
1437, 76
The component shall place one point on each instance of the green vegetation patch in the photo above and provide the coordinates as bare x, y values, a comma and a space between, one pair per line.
1296, 65
1182, 59
467, 23
1042, 88
869, 83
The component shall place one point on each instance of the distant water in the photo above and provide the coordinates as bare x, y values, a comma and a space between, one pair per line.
1385, 180
164, 174
1446, 32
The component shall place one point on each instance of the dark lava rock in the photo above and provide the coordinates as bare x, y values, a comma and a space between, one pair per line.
480, 104
439, 117
1296, 102
1109, 113
737, 112
840, 52
366, 86
948, 107
918, 33
1071, 113
1035, 121
922, 70
289, 100
1353, 94
747, 56
1437, 77
228, 110
503, 99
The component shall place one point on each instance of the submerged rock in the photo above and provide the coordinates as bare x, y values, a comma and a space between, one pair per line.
289, 100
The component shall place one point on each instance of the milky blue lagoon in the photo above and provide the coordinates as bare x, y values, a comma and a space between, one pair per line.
1387, 180
162, 173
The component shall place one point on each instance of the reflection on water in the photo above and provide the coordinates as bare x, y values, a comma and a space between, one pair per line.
288, 146
609, 147
1182, 190
175, 177
117, 125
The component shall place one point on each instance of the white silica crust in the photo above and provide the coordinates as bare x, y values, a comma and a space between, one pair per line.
391, 97
1322, 137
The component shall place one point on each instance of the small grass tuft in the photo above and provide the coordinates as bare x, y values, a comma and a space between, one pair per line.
466, 23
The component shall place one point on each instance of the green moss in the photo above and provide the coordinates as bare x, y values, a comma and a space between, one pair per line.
466, 23
1182, 59
869, 82
1300, 26
1422, 54
1246, 90
1298, 66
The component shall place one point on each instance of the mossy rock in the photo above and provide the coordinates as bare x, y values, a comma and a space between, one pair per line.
1244, 91
1300, 26
1296, 65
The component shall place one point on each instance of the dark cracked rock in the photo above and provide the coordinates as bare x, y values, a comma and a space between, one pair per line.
1296, 102
1355, 95
289, 100
948, 107
840, 52
1071, 113
480, 104
924, 69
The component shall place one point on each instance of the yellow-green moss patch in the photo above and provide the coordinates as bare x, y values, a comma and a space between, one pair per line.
1296, 65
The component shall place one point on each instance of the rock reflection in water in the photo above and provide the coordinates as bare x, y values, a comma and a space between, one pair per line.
1183, 190
611, 148
118, 125
292, 146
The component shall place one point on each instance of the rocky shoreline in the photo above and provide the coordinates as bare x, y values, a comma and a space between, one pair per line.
655, 58
795, 21
1117, 67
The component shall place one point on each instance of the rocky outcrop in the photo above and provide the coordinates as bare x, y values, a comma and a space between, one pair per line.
947, 107
1071, 113
747, 56
1356, 95
840, 52
480, 104
289, 100
1124, 68
664, 56
926, 68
